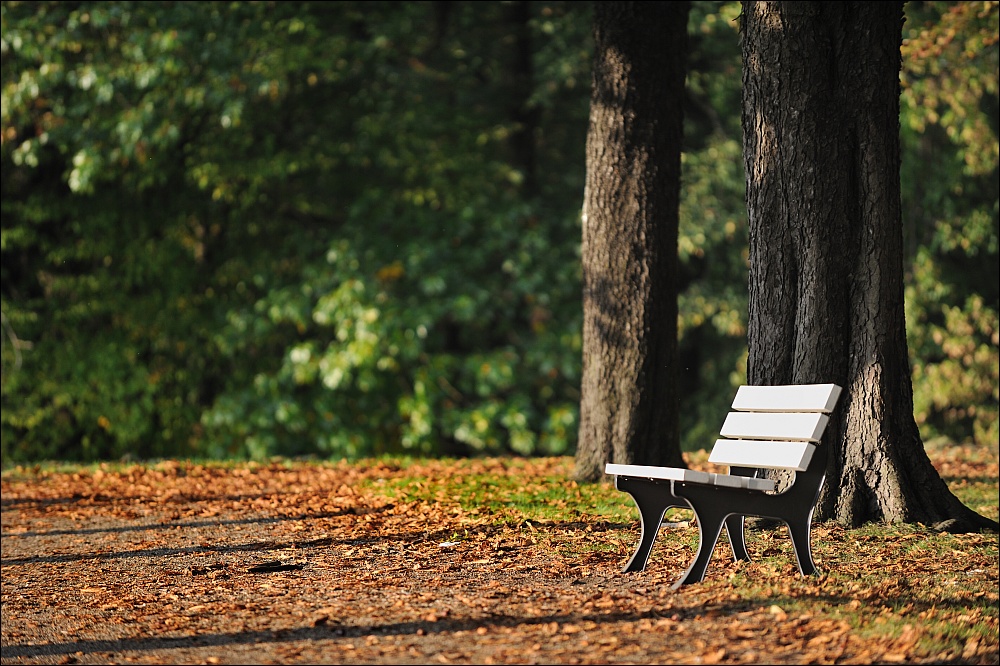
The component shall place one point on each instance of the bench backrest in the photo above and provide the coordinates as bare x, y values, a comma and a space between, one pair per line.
776, 427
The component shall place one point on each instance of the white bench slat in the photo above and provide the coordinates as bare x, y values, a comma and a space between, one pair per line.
690, 476
806, 426
651, 472
800, 398
761, 453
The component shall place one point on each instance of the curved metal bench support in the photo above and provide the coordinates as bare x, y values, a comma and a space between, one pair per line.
798, 414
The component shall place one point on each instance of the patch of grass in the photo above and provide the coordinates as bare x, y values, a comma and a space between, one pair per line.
512, 497
978, 494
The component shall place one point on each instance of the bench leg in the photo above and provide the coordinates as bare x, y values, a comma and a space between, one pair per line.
652, 499
799, 531
710, 522
737, 537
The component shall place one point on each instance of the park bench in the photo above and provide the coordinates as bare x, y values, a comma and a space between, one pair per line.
770, 428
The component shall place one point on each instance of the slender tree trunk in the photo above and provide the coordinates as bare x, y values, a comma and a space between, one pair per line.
629, 402
820, 122
521, 84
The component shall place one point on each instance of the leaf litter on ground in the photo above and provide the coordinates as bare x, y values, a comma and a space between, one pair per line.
491, 560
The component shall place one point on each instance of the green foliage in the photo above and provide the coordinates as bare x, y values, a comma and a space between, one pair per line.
345, 229
296, 229
116, 262
950, 181
442, 315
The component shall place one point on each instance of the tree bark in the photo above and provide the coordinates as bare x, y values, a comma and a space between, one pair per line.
821, 145
629, 401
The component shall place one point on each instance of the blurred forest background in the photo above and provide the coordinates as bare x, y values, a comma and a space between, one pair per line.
341, 229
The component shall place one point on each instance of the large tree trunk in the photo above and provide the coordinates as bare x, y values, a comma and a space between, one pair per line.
629, 402
820, 122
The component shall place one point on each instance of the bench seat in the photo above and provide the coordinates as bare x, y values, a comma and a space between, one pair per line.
692, 476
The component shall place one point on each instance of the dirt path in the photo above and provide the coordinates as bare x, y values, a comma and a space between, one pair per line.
189, 565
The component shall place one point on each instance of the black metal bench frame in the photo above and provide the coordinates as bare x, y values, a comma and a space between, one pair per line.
717, 506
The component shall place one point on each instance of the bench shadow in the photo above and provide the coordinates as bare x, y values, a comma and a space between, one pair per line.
444, 534
101, 498
171, 524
